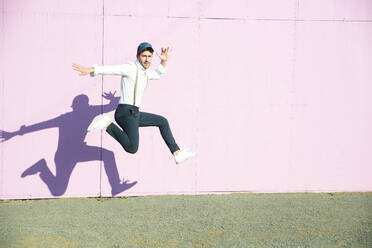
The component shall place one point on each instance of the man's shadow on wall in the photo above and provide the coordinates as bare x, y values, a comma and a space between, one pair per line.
72, 149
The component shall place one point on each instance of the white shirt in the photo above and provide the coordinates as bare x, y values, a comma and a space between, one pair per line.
127, 72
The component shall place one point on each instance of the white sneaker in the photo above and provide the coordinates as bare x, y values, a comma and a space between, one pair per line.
99, 123
183, 155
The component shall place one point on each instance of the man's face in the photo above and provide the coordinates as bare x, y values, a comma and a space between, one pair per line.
145, 59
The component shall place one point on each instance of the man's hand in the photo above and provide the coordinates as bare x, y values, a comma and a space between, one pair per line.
164, 55
84, 70
4, 136
109, 96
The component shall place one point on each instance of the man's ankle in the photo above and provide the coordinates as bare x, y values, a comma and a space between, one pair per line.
108, 124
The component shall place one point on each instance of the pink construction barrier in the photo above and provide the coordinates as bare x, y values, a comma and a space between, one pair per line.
275, 96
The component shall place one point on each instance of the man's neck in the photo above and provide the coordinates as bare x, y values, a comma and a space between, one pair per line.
140, 65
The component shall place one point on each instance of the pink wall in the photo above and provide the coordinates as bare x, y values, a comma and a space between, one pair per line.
275, 96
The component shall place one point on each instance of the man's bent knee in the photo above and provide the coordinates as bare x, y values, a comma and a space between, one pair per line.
131, 149
163, 121
107, 155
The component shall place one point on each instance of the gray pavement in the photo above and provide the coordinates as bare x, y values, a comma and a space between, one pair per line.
234, 220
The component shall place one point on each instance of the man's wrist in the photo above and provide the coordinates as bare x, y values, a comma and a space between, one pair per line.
164, 63
92, 71
21, 130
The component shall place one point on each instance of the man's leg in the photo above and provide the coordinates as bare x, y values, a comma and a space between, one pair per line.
148, 119
57, 184
128, 136
92, 153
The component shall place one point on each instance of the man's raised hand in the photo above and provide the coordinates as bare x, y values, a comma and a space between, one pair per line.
109, 96
164, 53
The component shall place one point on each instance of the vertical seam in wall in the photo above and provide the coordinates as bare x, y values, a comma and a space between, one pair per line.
197, 110
102, 62
2, 83
168, 10
292, 87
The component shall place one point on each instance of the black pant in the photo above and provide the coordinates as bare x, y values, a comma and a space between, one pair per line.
129, 119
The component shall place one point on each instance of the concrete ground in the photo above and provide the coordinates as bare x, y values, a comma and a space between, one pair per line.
234, 220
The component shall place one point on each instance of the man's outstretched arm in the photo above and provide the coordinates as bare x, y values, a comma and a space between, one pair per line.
4, 135
120, 70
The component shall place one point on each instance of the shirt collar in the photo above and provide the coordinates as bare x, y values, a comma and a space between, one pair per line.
139, 65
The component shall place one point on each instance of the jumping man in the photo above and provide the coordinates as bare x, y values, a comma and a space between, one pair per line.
134, 77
